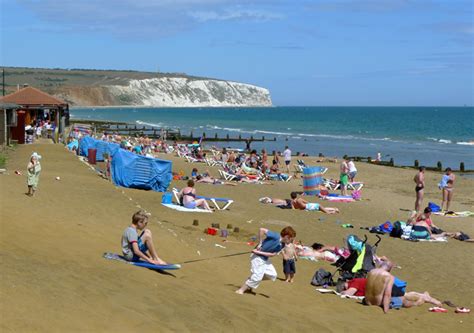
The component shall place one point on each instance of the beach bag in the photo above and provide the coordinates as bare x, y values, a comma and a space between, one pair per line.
167, 198
397, 230
434, 207
354, 243
407, 231
356, 195
321, 278
386, 227
402, 285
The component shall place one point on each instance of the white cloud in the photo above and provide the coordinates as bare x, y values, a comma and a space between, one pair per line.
144, 18
237, 14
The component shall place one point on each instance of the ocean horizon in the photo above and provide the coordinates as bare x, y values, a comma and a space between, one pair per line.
406, 134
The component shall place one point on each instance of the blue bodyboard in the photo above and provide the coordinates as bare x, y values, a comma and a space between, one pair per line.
114, 256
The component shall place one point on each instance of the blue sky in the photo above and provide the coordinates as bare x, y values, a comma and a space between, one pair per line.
327, 52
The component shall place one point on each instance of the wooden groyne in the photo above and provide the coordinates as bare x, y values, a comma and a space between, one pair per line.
416, 164
163, 133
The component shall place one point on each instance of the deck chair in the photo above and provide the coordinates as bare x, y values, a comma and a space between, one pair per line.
226, 175
300, 165
330, 184
191, 159
210, 161
355, 186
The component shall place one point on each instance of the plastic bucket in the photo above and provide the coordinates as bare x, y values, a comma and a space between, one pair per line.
91, 155
312, 178
166, 198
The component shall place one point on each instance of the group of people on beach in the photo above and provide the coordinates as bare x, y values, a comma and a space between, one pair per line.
379, 287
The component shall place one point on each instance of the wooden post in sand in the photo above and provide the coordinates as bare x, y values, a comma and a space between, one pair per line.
461, 167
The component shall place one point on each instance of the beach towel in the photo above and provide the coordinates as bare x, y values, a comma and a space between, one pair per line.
331, 291
455, 214
186, 210
437, 240
338, 198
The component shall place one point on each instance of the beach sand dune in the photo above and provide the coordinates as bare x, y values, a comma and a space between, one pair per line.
53, 276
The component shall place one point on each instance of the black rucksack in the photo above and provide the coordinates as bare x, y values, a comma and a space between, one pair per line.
397, 230
321, 278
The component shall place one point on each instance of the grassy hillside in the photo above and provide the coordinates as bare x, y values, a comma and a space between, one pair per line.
52, 80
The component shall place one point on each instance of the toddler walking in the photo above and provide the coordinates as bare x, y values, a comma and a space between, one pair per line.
289, 262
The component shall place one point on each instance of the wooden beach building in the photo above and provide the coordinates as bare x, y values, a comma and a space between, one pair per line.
35, 105
8, 119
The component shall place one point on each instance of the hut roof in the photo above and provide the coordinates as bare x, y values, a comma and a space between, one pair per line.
30, 96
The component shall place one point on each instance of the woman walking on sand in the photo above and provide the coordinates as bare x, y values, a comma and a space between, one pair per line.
33, 173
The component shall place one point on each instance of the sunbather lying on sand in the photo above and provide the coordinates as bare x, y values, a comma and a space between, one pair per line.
302, 204
212, 180
321, 252
276, 201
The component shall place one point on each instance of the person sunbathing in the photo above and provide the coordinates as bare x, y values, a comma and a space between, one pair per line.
212, 180
460, 236
378, 291
276, 202
302, 204
189, 197
321, 252
275, 171
422, 230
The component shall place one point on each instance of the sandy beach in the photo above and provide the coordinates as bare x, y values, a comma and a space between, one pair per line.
54, 279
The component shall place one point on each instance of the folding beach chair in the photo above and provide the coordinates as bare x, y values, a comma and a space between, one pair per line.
300, 166
226, 175
191, 159
330, 184
355, 186
210, 161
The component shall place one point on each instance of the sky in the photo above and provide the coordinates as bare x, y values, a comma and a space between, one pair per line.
313, 53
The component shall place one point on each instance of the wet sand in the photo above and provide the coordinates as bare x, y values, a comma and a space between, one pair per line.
53, 276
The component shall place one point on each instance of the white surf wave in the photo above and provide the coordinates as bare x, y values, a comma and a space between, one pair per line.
445, 141
139, 122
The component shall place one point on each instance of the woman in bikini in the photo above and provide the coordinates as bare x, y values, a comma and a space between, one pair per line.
419, 180
189, 197
447, 186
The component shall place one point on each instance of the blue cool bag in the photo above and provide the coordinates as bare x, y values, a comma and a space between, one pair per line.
167, 198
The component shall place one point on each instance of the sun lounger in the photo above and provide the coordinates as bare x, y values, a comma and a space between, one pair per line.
187, 210
226, 176
191, 159
210, 161
335, 185
274, 176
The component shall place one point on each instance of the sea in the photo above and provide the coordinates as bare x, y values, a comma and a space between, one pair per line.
406, 134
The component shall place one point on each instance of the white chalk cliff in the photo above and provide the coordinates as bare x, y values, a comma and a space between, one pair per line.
189, 92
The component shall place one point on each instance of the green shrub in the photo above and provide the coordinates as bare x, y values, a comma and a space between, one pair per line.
3, 160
